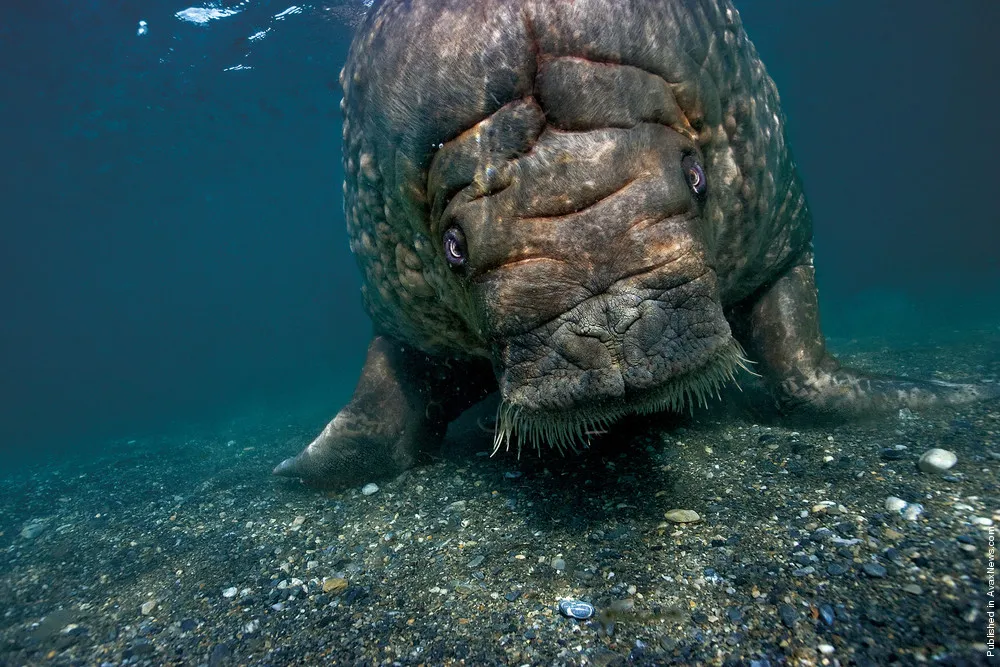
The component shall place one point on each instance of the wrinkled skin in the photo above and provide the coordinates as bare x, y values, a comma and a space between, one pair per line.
588, 205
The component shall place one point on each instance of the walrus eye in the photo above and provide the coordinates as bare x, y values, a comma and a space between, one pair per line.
695, 175
454, 247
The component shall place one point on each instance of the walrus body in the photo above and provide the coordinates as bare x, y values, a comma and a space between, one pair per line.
586, 204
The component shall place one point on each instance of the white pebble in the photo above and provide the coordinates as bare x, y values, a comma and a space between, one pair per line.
148, 607
369, 489
912, 511
230, 592
937, 460
894, 504
982, 521
825, 649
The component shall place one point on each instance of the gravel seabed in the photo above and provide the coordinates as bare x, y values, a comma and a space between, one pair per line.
185, 551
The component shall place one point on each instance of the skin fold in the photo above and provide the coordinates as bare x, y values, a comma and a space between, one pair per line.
587, 205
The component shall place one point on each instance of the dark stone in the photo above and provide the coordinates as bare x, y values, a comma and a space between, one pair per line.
188, 624
220, 653
890, 454
836, 569
874, 570
511, 596
826, 613
353, 594
846, 529
965, 539
821, 535
788, 615
734, 614
142, 647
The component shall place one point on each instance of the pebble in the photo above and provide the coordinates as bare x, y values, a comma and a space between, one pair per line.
874, 570
298, 521
893, 454
825, 649
476, 561
894, 504
682, 516
982, 521
369, 489
788, 615
836, 569
913, 589
577, 609
230, 592
912, 511
826, 613
334, 585
33, 529
148, 607
937, 461
558, 564
457, 506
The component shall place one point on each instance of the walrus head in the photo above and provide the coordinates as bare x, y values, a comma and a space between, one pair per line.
546, 191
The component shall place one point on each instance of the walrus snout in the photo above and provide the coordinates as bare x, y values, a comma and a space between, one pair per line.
624, 347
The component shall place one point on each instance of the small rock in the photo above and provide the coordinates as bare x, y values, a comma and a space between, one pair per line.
513, 595
788, 615
825, 649
476, 561
874, 570
558, 564
836, 569
913, 589
220, 653
577, 609
457, 506
334, 585
937, 461
894, 504
298, 521
148, 607
982, 521
682, 516
826, 613
912, 511
32, 529
230, 592
369, 489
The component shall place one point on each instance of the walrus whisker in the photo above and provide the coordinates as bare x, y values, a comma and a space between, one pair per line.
562, 431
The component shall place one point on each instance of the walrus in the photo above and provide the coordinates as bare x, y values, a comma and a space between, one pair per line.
589, 206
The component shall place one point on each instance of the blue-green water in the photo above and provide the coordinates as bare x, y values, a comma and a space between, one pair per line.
173, 241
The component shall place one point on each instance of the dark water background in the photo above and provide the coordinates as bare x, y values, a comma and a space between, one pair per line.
174, 249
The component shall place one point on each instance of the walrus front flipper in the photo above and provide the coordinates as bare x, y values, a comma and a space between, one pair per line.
399, 412
785, 337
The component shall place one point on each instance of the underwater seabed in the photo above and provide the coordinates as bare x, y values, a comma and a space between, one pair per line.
812, 544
